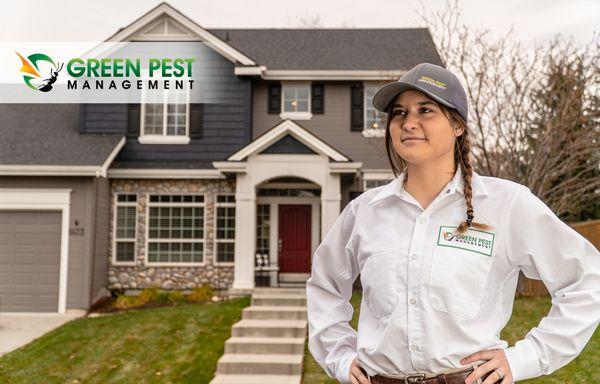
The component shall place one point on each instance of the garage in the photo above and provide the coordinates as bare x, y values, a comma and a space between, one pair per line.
30, 243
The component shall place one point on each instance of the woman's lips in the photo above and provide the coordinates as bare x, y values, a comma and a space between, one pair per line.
414, 139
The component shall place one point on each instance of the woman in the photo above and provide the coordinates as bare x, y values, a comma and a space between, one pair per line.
439, 250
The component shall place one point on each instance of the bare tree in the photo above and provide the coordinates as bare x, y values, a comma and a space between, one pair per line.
313, 21
533, 113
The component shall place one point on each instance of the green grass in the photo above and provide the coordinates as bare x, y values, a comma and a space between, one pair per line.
179, 344
527, 313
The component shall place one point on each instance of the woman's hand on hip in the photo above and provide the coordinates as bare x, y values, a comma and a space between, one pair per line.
496, 359
358, 374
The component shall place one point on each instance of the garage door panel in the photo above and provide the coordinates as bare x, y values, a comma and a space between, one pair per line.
29, 260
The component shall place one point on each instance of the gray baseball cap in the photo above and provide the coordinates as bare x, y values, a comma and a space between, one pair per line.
436, 82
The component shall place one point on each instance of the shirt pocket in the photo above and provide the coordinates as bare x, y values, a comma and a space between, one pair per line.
457, 280
378, 279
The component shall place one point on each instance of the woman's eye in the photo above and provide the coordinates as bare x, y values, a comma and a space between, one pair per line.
425, 109
398, 112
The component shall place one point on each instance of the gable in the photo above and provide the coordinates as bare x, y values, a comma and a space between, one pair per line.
289, 144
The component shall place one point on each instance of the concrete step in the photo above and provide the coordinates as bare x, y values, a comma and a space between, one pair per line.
291, 291
269, 328
278, 299
274, 312
275, 364
265, 345
257, 379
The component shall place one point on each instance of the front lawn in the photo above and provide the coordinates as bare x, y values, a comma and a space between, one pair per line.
179, 344
527, 313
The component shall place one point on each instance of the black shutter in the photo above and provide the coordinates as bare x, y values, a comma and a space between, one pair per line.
196, 120
356, 107
274, 98
133, 120
317, 100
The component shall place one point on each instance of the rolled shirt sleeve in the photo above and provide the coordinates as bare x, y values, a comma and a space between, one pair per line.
331, 340
546, 248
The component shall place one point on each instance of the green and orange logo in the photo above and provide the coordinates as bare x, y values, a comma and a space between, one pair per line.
32, 68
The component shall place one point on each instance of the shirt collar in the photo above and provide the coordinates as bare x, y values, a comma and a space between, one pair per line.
394, 187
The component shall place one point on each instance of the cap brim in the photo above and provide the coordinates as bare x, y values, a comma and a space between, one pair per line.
384, 96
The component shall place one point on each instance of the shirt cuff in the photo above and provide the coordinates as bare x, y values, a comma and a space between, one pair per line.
343, 368
523, 360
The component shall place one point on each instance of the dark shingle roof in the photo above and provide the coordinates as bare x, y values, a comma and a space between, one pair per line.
48, 134
334, 49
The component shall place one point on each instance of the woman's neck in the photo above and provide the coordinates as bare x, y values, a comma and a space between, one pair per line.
426, 182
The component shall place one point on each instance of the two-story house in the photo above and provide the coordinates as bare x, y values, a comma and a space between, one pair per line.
127, 196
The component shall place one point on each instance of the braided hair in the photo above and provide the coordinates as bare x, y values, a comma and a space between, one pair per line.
462, 150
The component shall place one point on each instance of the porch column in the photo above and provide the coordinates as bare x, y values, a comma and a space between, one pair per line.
245, 234
330, 202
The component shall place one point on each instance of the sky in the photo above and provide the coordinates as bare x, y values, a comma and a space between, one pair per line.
534, 21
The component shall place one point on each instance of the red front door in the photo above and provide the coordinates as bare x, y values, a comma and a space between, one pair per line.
294, 238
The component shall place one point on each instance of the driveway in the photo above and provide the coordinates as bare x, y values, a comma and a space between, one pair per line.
18, 329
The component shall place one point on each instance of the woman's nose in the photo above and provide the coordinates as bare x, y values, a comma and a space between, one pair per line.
409, 124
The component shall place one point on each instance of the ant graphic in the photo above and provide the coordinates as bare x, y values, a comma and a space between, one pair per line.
53, 76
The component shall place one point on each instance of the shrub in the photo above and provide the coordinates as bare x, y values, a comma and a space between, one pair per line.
202, 293
168, 298
124, 301
147, 295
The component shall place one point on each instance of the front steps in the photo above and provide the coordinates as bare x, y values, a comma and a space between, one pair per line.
267, 345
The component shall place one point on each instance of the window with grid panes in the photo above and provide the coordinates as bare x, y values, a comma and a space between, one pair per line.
263, 213
125, 227
175, 229
165, 114
225, 228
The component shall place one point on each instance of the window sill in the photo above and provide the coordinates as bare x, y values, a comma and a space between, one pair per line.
370, 132
164, 139
296, 115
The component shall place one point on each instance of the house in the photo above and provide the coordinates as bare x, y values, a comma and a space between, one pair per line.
95, 197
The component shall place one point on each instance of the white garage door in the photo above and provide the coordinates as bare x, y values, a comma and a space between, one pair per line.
29, 260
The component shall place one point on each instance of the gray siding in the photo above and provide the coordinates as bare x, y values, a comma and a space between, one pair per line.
333, 127
103, 118
82, 209
99, 273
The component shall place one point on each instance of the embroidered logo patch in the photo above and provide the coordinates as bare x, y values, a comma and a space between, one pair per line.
473, 240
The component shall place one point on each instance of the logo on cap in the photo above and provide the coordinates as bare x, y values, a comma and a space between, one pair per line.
435, 83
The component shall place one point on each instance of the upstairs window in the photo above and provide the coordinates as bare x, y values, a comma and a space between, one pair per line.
164, 117
295, 101
374, 120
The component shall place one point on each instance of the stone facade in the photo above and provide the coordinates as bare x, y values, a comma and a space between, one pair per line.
141, 275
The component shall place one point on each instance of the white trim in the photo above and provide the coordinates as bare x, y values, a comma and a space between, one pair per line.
296, 115
215, 240
117, 204
46, 199
377, 175
111, 157
249, 71
345, 167
134, 173
211, 40
330, 74
49, 170
156, 139
159, 204
286, 127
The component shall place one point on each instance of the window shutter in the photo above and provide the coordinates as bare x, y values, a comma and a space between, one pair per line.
317, 101
356, 107
196, 120
133, 120
274, 98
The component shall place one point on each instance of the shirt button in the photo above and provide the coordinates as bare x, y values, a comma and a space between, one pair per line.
412, 300
447, 191
413, 256
413, 347
422, 219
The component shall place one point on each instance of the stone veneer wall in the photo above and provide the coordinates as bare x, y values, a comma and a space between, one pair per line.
143, 276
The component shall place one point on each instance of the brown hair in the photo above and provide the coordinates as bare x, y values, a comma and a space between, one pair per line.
462, 150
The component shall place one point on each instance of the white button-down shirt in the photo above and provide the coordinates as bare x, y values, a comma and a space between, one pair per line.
430, 299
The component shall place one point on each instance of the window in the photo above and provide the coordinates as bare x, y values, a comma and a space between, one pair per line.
225, 228
295, 101
164, 117
376, 179
175, 229
374, 120
125, 228
369, 184
263, 213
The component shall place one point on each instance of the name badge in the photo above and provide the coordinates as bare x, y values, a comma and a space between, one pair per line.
472, 240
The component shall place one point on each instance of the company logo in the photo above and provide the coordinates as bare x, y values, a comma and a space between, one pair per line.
33, 67
435, 83
473, 240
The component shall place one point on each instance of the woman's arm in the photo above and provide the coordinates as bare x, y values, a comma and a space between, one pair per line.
546, 248
331, 340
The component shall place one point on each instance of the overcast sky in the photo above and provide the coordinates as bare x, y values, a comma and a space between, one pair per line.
76, 20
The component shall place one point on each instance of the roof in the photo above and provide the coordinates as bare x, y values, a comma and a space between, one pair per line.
334, 48
48, 135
